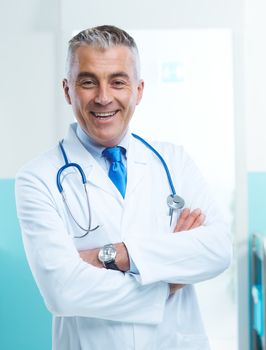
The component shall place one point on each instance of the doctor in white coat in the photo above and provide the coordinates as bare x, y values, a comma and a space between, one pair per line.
128, 283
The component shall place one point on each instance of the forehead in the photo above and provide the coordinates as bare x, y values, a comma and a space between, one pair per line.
103, 61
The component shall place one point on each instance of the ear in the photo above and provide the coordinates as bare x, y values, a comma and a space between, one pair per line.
66, 91
140, 91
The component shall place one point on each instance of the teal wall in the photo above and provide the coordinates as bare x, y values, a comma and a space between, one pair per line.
257, 202
256, 223
25, 324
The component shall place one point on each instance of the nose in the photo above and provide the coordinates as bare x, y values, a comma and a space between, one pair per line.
103, 95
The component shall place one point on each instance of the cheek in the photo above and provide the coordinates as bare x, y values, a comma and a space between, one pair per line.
130, 101
78, 97
133, 103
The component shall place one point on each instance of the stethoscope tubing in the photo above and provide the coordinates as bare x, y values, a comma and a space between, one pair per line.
61, 190
161, 159
64, 167
173, 201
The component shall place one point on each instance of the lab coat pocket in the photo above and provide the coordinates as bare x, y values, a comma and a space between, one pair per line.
163, 223
166, 224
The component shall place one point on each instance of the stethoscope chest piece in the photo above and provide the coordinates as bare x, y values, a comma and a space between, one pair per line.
175, 202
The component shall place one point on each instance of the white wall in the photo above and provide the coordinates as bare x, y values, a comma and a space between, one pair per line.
152, 14
28, 85
255, 84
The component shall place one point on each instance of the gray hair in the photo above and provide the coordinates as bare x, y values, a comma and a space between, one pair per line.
102, 37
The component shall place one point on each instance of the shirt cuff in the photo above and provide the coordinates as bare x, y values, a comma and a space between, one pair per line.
132, 267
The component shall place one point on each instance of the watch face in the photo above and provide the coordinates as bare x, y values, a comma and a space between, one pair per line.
107, 253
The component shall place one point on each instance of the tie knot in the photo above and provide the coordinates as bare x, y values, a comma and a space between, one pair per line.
113, 154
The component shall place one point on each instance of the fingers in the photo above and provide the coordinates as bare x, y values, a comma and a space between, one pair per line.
198, 221
182, 219
189, 220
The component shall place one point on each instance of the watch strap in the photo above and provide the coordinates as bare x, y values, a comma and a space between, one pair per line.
111, 266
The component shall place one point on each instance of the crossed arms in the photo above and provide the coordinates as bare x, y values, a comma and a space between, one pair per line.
187, 221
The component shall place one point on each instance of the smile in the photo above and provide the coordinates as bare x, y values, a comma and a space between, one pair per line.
104, 115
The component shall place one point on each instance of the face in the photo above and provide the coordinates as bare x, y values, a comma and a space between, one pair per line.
103, 90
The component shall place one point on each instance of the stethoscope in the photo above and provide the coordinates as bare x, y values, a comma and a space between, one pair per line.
174, 201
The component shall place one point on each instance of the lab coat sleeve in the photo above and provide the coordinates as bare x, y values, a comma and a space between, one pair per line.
69, 286
185, 257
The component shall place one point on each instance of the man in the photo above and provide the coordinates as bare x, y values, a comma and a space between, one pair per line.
114, 264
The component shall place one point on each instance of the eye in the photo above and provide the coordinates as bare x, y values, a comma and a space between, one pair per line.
87, 84
118, 84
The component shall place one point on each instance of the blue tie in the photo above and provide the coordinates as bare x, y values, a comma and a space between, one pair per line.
117, 171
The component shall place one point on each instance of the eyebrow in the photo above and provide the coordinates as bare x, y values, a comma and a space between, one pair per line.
94, 76
86, 75
120, 75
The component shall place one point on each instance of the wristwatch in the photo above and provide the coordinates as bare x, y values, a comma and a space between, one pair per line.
107, 255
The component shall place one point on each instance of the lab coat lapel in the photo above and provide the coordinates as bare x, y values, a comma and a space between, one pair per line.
137, 160
99, 178
96, 176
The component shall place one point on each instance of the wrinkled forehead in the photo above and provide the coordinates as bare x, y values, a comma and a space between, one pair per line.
116, 57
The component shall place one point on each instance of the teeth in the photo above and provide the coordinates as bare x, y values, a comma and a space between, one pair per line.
106, 114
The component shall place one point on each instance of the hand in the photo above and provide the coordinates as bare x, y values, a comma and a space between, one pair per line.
186, 221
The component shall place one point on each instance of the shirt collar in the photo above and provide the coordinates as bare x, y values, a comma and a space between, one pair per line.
96, 149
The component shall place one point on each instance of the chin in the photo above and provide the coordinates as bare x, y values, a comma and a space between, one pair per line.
104, 140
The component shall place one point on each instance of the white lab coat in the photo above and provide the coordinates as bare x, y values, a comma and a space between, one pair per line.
96, 309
